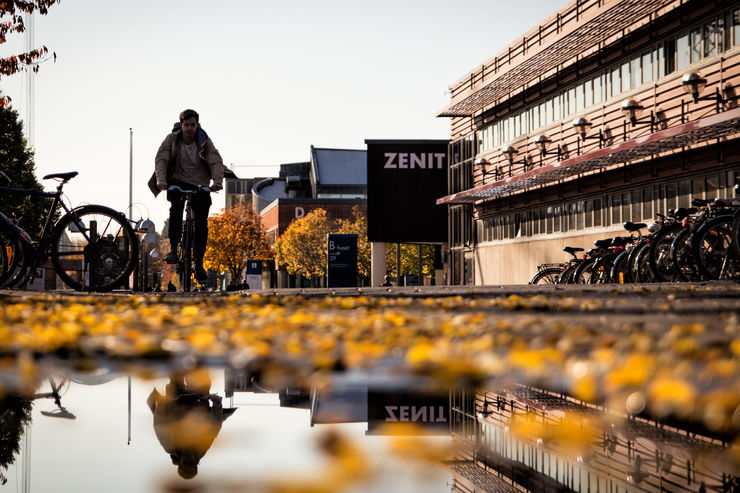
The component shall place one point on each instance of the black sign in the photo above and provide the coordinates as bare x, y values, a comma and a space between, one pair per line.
254, 267
426, 409
342, 260
404, 180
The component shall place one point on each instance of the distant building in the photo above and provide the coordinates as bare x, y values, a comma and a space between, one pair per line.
334, 180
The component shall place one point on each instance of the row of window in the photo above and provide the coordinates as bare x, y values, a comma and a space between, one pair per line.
676, 53
636, 205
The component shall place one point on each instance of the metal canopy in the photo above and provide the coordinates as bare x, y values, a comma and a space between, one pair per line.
610, 20
718, 126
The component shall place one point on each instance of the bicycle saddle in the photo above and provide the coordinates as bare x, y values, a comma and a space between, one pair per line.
621, 241
63, 176
603, 243
572, 250
683, 212
701, 202
632, 227
729, 202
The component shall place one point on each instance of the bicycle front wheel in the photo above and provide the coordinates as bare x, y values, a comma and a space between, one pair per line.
94, 248
712, 251
18, 257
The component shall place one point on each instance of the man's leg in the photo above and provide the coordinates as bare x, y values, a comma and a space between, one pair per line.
201, 206
177, 203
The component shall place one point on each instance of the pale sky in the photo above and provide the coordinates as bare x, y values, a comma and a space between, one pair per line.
269, 80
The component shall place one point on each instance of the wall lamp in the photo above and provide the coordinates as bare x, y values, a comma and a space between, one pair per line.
482, 162
632, 109
542, 142
510, 152
484, 412
693, 83
583, 126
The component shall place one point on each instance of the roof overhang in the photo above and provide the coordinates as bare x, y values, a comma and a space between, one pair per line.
608, 20
722, 125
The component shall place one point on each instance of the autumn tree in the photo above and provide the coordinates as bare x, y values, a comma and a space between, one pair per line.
15, 414
16, 161
235, 236
11, 21
302, 247
358, 225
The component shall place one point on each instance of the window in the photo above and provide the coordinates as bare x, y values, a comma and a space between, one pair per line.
616, 208
647, 203
626, 213
625, 76
597, 89
712, 187
695, 51
682, 52
615, 84
670, 196
710, 35
697, 188
636, 216
684, 193
736, 26
635, 72
589, 213
580, 213
647, 68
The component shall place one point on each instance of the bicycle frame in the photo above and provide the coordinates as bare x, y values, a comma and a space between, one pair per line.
41, 249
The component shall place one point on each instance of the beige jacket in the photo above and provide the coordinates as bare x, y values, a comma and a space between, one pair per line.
166, 161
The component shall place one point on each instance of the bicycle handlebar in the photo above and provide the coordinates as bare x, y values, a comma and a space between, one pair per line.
199, 189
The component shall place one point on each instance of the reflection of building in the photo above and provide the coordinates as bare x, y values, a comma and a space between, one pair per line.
334, 180
239, 191
635, 455
586, 122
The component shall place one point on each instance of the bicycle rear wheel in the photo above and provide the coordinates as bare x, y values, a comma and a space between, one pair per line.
642, 268
19, 254
661, 260
94, 248
546, 276
683, 259
583, 271
712, 251
601, 271
620, 269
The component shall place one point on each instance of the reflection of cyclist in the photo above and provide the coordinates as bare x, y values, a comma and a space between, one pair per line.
187, 158
187, 419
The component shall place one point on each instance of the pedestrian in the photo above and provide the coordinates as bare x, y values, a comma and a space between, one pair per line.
187, 158
171, 287
386, 281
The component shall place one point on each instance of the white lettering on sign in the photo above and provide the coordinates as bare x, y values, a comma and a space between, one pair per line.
331, 245
412, 160
426, 414
299, 212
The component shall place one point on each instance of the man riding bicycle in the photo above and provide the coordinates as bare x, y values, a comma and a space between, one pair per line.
188, 159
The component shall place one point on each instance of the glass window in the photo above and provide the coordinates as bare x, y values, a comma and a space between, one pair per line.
684, 193
670, 196
571, 101
556, 104
616, 209
616, 88
736, 26
695, 51
647, 203
543, 221
588, 92
556, 217
636, 216
682, 52
589, 213
625, 76
712, 187
647, 68
710, 35
626, 213
580, 97
722, 38
597, 89
580, 214
697, 188
635, 72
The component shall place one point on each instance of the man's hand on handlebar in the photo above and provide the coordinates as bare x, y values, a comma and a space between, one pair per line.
196, 189
216, 187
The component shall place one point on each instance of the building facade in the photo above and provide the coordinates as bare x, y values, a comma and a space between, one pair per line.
605, 112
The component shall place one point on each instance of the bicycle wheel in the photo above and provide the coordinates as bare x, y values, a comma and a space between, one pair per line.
736, 234
683, 259
583, 271
711, 249
660, 258
620, 268
642, 268
567, 276
601, 271
547, 276
94, 248
186, 260
19, 255
632, 261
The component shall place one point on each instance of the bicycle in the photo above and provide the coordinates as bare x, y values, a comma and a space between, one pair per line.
92, 247
558, 273
185, 248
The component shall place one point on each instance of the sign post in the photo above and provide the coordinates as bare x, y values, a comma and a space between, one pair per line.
342, 260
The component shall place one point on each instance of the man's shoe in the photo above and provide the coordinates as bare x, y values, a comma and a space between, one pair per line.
200, 275
171, 258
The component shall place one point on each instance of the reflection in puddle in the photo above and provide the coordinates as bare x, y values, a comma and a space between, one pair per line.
260, 429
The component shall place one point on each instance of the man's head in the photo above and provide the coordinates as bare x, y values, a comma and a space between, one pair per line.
189, 124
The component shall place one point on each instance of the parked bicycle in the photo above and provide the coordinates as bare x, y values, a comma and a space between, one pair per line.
185, 248
92, 247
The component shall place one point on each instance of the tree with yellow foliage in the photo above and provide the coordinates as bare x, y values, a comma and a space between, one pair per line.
302, 247
358, 225
235, 236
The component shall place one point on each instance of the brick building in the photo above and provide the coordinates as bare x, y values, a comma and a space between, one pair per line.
604, 112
